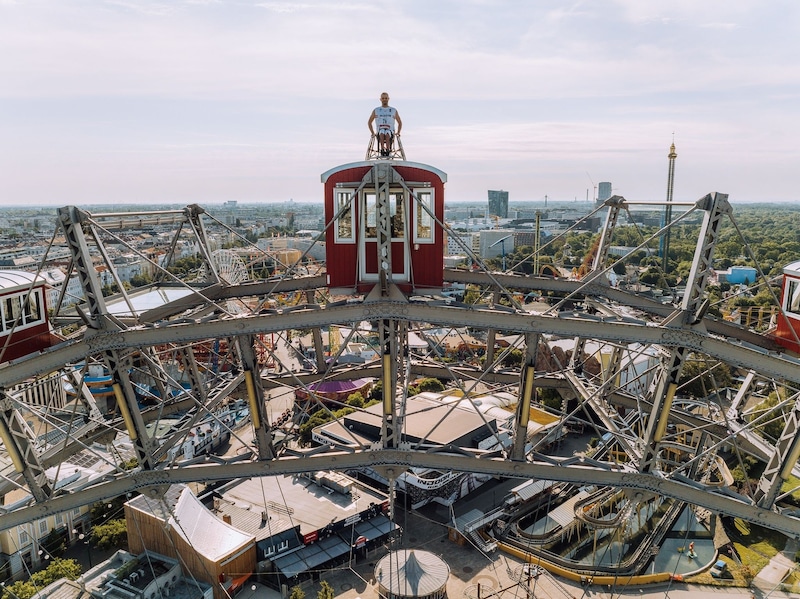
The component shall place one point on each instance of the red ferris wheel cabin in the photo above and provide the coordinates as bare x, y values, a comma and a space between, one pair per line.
413, 197
787, 332
24, 326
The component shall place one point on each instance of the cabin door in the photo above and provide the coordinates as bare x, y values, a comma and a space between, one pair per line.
368, 248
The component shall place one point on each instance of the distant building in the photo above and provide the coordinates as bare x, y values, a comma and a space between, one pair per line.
180, 527
498, 203
320, 521
23, 547
470, 240
496, 242
524, 238
738, 275
128, 576
603, 191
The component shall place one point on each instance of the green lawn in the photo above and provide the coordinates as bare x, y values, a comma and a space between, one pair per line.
755, 546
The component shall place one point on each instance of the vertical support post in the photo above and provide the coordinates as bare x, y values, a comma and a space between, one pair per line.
527, 391
614, 204
72, 221
782, 461
383, 217
17, 440
389, 427
491, 334
193, 214
128, 407
255, 397
690, 315
316, 335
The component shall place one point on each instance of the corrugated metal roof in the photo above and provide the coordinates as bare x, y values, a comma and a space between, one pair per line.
531, 488
251, 521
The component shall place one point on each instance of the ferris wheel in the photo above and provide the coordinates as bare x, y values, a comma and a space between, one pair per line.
229, 266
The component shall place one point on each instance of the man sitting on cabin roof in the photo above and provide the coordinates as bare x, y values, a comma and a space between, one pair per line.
385, 116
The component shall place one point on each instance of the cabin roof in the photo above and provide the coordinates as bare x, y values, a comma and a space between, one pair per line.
10, 279
792, 268
370, 163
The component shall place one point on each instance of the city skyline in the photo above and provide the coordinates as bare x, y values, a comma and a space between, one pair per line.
204, 102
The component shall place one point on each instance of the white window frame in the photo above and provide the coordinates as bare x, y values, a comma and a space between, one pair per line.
421, 215
792, 292
24, 538
402, 196
26, 319
370, 220
42, 527
340, 196
34, 301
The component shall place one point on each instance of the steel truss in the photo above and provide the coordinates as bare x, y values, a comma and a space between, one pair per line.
137, 346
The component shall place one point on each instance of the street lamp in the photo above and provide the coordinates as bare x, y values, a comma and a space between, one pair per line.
502, 243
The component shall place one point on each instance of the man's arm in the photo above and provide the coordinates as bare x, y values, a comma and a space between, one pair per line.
369, 122
399, 122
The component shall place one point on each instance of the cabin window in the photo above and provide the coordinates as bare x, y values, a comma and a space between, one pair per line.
33, 311
22, 309
345, 232
13, 311
397, 210
792, 302
423, 224
370, 215
397, 214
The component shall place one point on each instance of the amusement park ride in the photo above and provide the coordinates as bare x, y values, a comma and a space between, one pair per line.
188, 344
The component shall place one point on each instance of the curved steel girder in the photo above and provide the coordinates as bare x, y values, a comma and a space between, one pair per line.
219, 292
156, 480
565, 325
596, 289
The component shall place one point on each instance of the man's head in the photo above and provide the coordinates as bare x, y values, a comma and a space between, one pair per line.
384, 99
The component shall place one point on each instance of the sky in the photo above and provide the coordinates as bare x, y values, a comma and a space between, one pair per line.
205, 101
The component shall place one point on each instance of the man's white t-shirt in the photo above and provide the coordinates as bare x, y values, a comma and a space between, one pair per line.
385, 119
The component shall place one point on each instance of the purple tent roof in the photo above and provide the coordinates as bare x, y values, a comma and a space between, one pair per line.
338, 386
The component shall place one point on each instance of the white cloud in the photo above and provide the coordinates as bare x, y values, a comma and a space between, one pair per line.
271, 91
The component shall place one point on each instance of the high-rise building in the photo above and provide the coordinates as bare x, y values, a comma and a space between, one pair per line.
498, 203
603, 191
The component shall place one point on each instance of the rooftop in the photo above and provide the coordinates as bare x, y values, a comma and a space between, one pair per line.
290, 501
198, 526
438, 422
10, 279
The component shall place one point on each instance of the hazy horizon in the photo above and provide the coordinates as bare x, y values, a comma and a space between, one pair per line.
205, 101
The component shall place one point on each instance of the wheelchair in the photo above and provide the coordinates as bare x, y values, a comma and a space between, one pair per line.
396, 151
